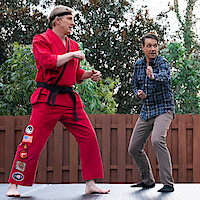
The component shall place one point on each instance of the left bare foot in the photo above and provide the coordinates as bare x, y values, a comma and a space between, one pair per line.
12, 191
92, 188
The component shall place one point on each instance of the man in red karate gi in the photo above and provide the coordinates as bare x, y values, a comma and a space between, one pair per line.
58, 63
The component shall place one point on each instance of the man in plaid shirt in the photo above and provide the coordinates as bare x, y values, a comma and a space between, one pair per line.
152, 84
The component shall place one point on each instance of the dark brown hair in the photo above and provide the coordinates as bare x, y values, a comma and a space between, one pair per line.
151, 35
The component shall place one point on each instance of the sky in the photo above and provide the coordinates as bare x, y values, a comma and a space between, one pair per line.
156, 6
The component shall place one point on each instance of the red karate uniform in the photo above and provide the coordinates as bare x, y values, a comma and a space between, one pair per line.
44, 117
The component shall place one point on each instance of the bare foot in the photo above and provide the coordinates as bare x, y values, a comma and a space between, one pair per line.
12, 191
92, 188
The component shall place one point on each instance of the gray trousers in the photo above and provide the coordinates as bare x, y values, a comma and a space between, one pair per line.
158, 126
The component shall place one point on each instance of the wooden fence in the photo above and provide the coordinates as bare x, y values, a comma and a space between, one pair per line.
59, 160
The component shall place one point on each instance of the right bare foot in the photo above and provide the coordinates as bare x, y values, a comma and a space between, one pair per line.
12, 191
91, 188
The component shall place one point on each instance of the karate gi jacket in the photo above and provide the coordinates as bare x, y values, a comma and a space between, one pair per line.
46, 47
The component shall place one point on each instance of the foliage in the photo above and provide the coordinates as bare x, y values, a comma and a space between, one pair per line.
19, 22
97, 97
17, 85
114, 42
187, 22
17, 82
101, 25
185, 78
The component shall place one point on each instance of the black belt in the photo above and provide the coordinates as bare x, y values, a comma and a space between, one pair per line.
54, 90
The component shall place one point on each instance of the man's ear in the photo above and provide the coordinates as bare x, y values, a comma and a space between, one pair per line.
57, 20
142, 47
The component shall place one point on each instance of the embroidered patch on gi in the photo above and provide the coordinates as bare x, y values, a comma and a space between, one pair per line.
18, 176
23, 154
25, 146
27, 138
20, 166
29, 129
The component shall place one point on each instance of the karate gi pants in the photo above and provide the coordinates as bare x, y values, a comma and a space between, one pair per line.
43, 119
158, 126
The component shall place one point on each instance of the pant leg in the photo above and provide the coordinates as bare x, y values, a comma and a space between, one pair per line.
158, 139
139, 138
42, 121
82, 130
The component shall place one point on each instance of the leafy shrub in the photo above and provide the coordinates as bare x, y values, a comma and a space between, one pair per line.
17, 83
185, 78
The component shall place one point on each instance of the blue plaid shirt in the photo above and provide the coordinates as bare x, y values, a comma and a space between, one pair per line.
159, 94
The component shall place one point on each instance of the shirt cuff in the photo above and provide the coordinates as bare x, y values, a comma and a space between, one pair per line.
79, 74
52, 62
155, 77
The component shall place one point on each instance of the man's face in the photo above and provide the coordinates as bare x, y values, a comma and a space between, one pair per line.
66, 23
150, 49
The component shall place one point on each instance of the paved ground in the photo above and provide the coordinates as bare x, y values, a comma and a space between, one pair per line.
118, 192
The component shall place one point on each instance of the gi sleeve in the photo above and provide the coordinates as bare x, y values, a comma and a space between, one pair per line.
79, 73
43, 54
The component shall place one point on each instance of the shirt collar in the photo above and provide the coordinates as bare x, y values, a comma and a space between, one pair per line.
152, 63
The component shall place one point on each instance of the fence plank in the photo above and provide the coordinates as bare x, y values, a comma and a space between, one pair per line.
106, 146
182, 170
25, 121
9, 144
92, 119
42, 167
58, 144
121, 150
73, 168
2, 149
196, 149
174, 146
135, 171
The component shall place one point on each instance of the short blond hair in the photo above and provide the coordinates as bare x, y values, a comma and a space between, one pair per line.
59, 10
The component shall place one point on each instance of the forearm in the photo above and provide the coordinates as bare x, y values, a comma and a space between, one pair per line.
163, 74
94, 75
86, 75
161, 77
62, 59
135, 90
135, 86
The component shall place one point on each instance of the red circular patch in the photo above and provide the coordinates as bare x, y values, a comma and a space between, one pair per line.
23, 154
